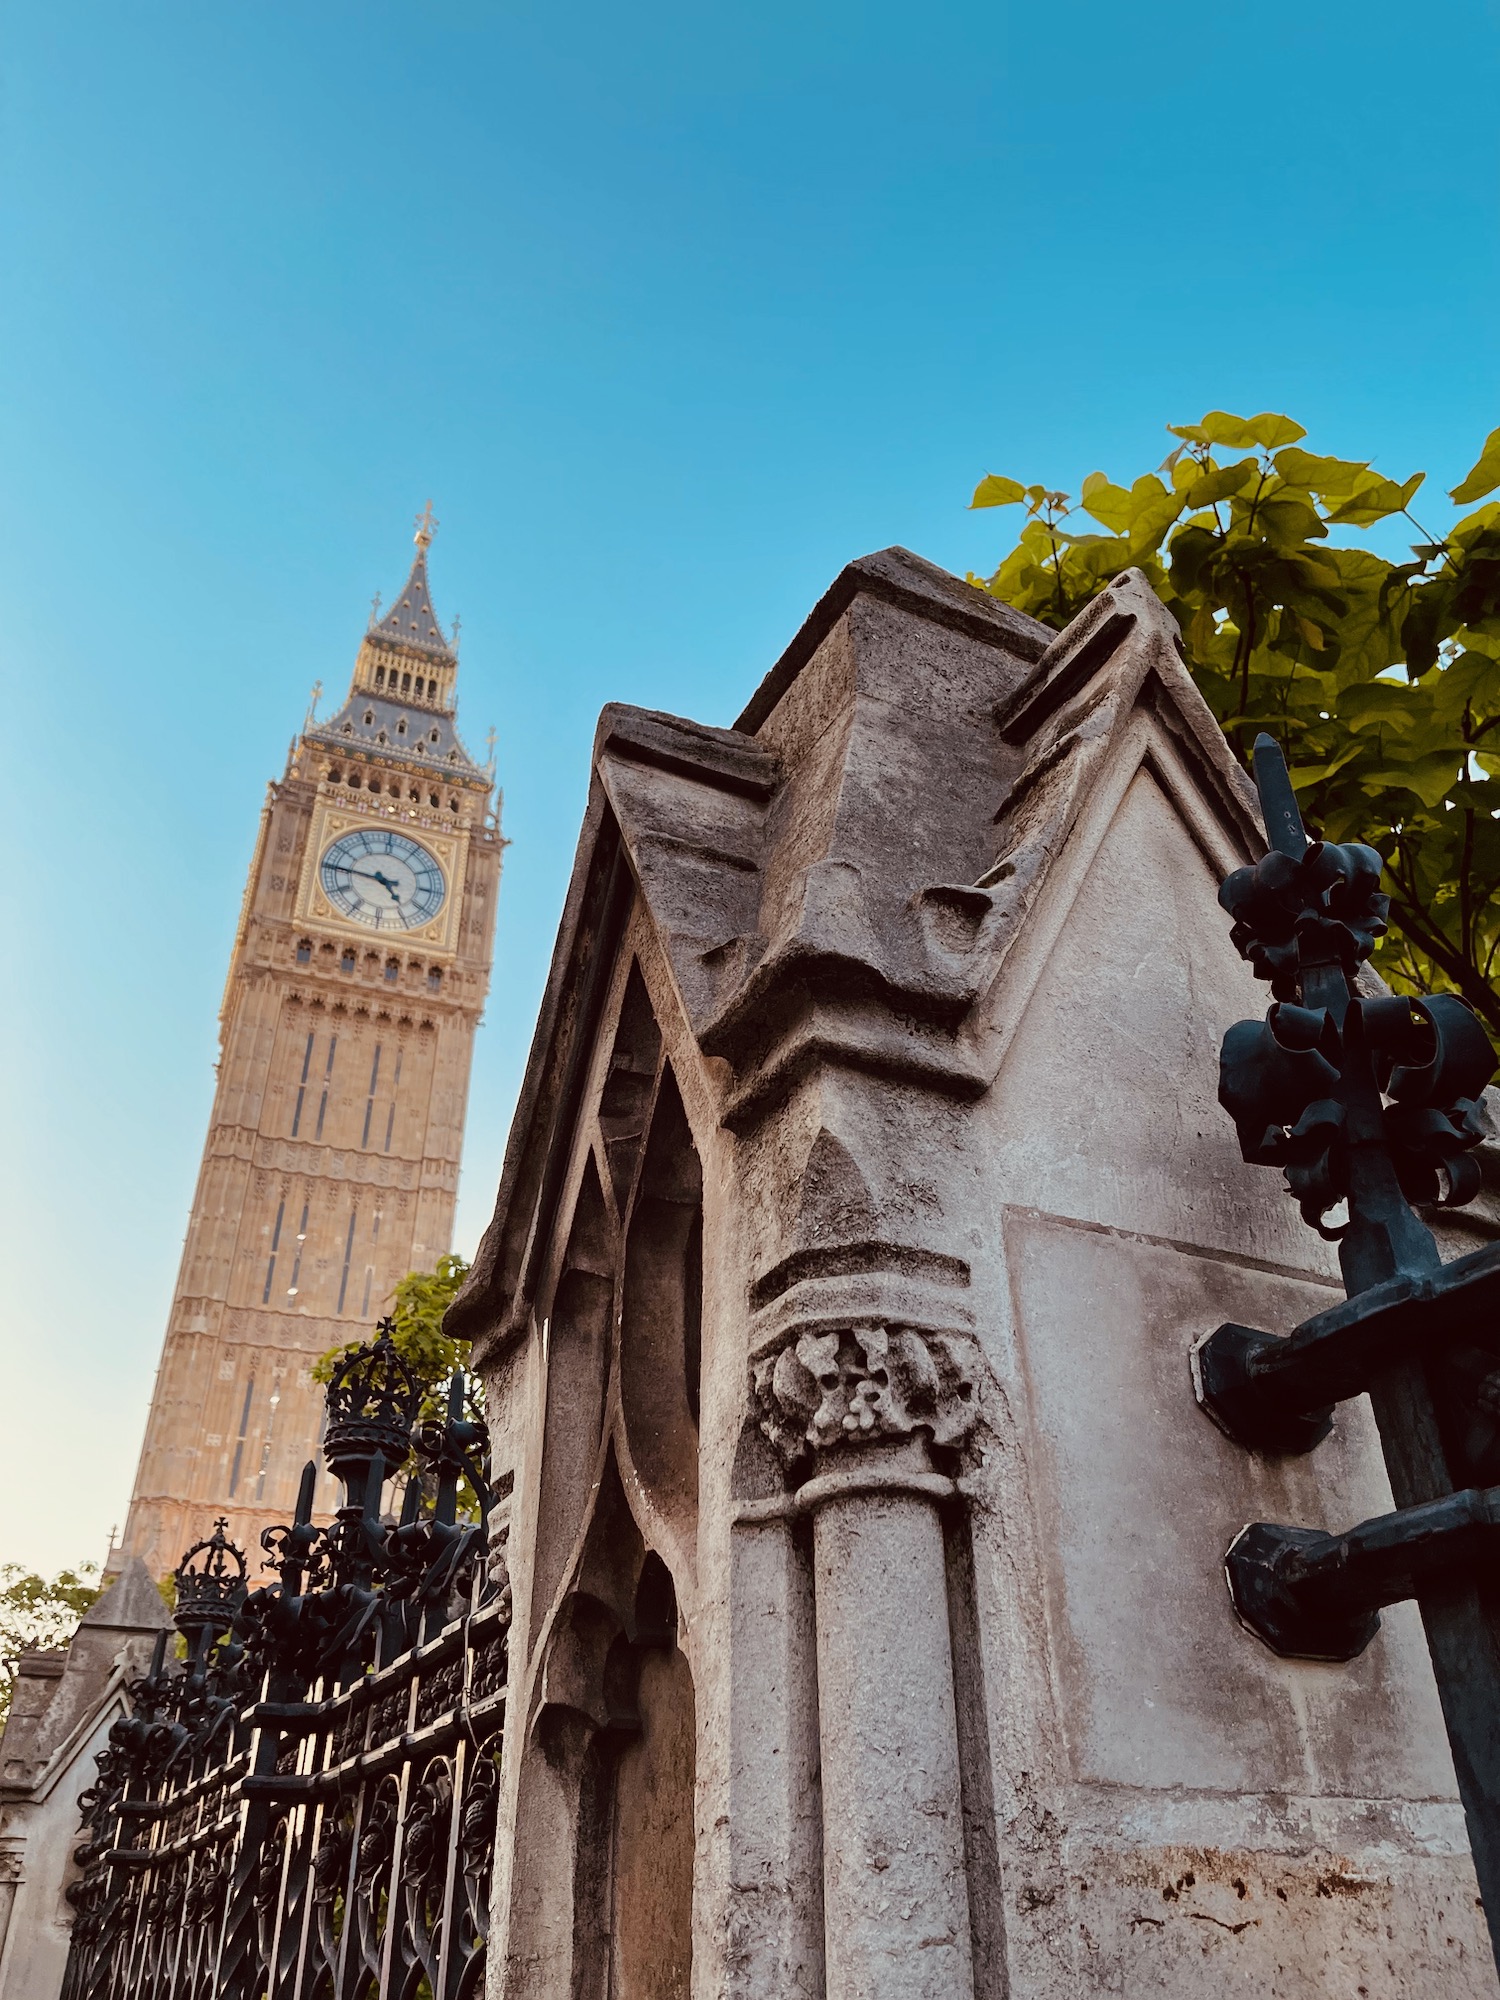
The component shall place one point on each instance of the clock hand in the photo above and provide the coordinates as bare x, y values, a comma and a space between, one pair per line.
369, 875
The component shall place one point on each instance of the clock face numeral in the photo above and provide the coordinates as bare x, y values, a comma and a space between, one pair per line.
382, 879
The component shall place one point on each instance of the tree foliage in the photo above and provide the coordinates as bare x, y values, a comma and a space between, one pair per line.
1381, 678
418, 1303
40, 1612
416, 1319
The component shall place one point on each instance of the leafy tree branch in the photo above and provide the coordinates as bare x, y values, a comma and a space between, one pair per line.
40, 1614
1380, 678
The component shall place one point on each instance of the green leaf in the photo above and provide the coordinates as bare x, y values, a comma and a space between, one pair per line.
1288, 518
1312, 633
1304, 776
1153, 509
1220, 483
1383, 704
993, 491
1270, 430
1431, 778
1109, 504
1327, 476
1373, 499
1482, 477
1241, 433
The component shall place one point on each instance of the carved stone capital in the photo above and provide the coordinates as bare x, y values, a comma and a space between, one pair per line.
864, 1383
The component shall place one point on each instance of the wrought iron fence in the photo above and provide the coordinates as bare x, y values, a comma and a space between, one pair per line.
303, 1808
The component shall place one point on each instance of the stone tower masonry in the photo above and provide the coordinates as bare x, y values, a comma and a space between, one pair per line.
356, 982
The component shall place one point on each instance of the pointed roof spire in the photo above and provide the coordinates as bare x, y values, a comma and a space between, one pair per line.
411, 620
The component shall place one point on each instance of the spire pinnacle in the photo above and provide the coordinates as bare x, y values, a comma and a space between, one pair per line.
411, 620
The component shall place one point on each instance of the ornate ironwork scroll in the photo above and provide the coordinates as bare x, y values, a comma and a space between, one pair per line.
302, 1806
1368, 1105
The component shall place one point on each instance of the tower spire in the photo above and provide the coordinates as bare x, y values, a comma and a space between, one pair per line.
411, 620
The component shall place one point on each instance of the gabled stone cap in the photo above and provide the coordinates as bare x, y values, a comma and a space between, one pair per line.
131, 1604
721, 766
897, 576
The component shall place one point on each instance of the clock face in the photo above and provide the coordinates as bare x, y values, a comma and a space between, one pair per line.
382, 879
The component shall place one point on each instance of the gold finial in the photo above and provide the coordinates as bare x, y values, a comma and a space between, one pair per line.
454, 640
489, 744
426, 528
374, 610
312, 704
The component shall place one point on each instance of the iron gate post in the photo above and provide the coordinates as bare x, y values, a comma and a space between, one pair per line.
1373, 1102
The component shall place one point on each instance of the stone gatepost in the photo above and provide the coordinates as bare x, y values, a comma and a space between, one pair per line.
866, 1200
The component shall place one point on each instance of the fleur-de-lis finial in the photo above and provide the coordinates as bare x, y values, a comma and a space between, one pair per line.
426, 528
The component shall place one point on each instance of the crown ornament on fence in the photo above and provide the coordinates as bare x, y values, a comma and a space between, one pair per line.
373, 1399
211, 1585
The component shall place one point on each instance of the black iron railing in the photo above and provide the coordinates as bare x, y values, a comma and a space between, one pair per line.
1369, 1103
303, 1808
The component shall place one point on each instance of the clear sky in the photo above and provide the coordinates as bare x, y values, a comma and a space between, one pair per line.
672, 309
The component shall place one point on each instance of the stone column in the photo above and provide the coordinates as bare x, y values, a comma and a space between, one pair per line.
858, 1408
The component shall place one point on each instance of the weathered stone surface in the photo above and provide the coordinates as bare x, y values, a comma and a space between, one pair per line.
866, 1196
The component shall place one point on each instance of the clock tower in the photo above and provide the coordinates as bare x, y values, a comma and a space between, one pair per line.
356, 983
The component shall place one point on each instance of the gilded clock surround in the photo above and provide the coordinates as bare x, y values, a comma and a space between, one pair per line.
331, 1162
450, 851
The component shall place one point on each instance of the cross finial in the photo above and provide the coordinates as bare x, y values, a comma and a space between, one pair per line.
489, 744
426, 527
455, 631
375, 608
313, 699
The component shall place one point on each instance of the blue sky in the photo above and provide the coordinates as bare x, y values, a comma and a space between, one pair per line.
672, 310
